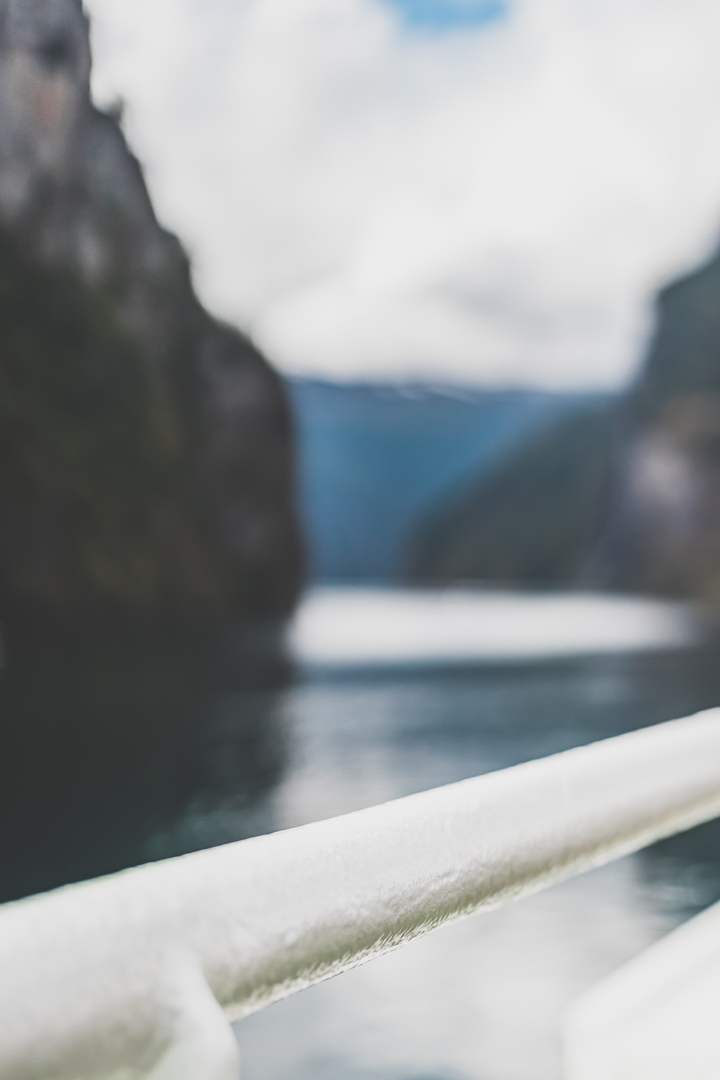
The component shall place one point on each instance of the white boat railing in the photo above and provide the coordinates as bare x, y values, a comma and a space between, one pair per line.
137, 974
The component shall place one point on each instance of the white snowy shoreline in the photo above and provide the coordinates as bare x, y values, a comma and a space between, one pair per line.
350, 626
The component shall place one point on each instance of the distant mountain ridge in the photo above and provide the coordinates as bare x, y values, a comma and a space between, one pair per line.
621, 494
377, 461
535, 517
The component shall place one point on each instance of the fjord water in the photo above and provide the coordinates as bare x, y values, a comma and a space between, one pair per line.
112, 759
482, 999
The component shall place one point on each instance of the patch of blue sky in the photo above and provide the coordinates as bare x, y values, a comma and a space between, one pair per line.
449, 14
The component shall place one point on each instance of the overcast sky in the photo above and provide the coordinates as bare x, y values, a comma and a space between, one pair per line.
470, 190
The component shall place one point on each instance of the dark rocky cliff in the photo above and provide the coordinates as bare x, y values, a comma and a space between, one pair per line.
145, 450
662, 533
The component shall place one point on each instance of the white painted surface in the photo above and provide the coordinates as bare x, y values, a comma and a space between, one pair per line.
128, 976
658, 1017
347, 626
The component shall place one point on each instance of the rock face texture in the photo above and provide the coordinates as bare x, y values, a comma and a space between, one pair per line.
662, 533
145, 450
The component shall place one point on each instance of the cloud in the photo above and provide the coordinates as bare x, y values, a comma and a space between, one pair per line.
495, 204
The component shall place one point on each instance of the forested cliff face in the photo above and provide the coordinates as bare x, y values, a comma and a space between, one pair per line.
662, 531
146, 458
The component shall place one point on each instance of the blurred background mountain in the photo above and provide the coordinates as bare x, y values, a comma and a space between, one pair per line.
624, 493
433, 484
661, 531
146, 458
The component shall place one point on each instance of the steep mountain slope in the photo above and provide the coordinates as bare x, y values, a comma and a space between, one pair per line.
146, 460
663, 530
533, 518
626, 497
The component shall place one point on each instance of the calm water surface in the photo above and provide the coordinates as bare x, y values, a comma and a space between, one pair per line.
113, 761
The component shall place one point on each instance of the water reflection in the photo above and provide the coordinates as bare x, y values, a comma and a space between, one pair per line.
117, 752
482, 999
117, 756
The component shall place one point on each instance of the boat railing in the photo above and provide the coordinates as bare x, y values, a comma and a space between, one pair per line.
138, 974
